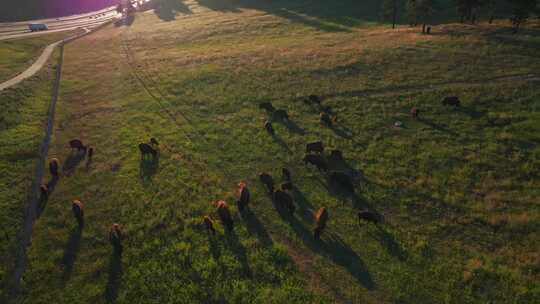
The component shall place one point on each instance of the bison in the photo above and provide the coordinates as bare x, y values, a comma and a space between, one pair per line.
269, 128
451, 101
43, 193
415, 112
243, 196
370, 217
343, 180
115, 238
314, 99
287, 186
316, 160
286, 174
53, 167
316, 147
268, 181
281, 115
90, 152
336, 155
225, 215
154, 142
284, 200
326, 119
77, 144
78, 211
146, 149
267, 106
209, 224
320, 222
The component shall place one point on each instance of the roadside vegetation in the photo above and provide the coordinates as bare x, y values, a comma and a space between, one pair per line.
457, 187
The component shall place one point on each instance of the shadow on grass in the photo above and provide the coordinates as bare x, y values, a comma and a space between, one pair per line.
70, 252
214, 247
437, 127
281, 142
148, 167
342, 131
167, 10
115, 277
72, 162
305, 208
239, 251
332, 247
43, 200
389, 243
255, 227
293, 127
472, 113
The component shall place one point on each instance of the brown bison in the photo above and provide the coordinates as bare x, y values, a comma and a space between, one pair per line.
370, 217
343, 180
336, 155
415, 112
267, 106
90, 152
316, 160
209, 224
269, 128
115, 238
154, 142
225, 215
78, 211
284, 200
146, 149
326, 119
320, 222
243, 196
451, 101
281, 115
314, 99
316, 147
268, 181
53, 167
286, 174
287, 186
43, 193
77, 144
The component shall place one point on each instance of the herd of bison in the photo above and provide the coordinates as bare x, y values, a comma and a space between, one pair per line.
315, 155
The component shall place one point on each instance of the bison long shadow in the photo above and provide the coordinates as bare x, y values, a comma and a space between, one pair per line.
239, 251
72, 162
437, 127
70, 252
305, 207
255, 227
293, 127
148, 167
115, 277
342, 131
389, 243
333, 247
43, 200
214, 247
281, 142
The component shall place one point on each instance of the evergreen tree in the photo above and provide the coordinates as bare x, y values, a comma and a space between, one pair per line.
521, 10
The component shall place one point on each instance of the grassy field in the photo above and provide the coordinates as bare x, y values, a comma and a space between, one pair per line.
22, 122
18, 54
458, 188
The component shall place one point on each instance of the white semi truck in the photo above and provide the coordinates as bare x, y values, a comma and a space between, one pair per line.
36, 27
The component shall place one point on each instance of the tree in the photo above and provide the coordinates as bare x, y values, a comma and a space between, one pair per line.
390, 9
425, 9
520, 11
467, 9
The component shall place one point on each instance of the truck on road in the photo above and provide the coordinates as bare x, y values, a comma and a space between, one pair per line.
36, 27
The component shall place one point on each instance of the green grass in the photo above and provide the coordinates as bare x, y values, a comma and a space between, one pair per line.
22, 123
458, 188
18, 54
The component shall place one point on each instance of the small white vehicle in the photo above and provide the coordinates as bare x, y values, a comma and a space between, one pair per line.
36, 27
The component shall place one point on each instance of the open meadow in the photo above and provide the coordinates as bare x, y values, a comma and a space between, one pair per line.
458, 187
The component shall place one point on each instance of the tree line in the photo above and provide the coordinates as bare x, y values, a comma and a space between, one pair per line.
422, 11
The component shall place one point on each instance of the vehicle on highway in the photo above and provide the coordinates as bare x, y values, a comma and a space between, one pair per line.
36, 27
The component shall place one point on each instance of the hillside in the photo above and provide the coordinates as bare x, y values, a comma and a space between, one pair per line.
458, 188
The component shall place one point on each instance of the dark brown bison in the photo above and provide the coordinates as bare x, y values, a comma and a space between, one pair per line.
281, 115
342, 179
53, 167
415, 112
314, 99
326, 119
286, 174
287, 186
154, 142
316, 160
370, 217
77, 144
78, 211
115, 238
284, 200
268, 181
43, 193
90, 152
146, 149
316, 147
269, 128
451, 101
225, 215
320, 222
336, 155
243, 196
209, 224
267, 106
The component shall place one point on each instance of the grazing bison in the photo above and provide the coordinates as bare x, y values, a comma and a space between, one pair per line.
451, 101
268, 181
267, 106
154, 142
43, 193
314, 99
284, 200
53, 167
78, 211
336, 155
90, 152
146, 149
287, 186
243, 196
286, 174
415, 112
326, 119
115, 237
369, 217
281, 115
316, 160
320, 222
209, 224
269, 128
316, 147
77, 144
225, 215
342, 179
